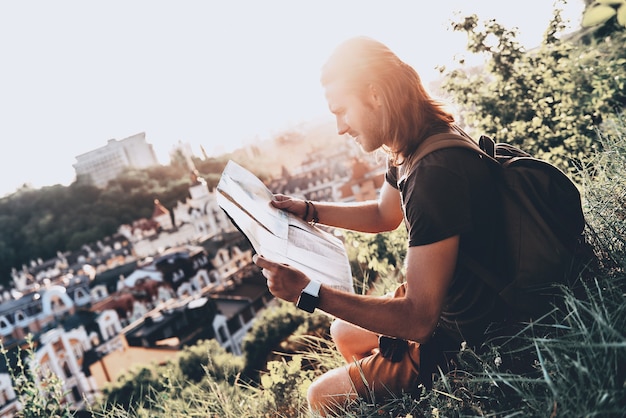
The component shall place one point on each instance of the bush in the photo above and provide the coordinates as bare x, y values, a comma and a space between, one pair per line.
39, 396
547, 101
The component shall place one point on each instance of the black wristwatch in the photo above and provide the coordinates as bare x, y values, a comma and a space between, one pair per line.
309, 297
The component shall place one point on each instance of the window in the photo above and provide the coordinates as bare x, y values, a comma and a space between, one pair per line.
76, 394
66, 370
4, 323
78, 351
221, 332
20, 316
80, 294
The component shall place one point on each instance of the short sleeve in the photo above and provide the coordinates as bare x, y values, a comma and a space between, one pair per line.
391, 176
437, 204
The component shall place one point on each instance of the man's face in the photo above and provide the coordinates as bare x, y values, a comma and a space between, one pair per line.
357, 116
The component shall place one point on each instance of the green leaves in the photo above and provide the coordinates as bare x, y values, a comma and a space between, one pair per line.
600, 11
548, 101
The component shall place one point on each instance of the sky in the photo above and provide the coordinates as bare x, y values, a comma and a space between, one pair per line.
216, 74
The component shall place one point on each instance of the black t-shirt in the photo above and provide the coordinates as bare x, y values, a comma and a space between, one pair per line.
452, 192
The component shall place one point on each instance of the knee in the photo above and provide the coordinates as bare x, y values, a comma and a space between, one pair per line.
330, 393
352, 341
315, 397
339, 329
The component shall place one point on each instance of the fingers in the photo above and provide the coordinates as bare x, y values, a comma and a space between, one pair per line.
283, 281
282, 201
280, 197
285, 204
263, 262
289, 204
267, 264
267, 268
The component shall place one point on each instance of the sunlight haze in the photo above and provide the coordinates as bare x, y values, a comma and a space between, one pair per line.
213, 74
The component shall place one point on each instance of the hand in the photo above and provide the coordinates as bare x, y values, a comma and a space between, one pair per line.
283, 281
290, 204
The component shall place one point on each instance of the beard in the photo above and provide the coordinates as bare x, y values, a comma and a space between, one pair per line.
371, 136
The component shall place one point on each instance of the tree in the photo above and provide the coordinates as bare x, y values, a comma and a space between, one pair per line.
547, 101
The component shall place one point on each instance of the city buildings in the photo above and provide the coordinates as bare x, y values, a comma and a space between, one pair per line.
140, 294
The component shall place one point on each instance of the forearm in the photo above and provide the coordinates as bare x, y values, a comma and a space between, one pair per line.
384, 214
361, 216
379, 314
412, 314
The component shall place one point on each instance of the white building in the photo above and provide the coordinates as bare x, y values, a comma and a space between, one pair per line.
62, 353
103, 164
201, 210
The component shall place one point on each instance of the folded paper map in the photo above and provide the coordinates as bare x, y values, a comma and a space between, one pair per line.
278, 235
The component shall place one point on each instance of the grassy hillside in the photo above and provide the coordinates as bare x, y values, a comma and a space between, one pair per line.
570, 363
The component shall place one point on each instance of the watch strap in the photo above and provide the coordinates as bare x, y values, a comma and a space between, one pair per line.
309, 297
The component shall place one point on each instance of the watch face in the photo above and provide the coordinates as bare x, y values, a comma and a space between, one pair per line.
307, 302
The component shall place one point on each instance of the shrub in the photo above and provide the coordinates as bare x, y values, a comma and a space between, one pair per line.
39, 396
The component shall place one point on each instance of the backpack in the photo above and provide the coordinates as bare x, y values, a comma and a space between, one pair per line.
543, 229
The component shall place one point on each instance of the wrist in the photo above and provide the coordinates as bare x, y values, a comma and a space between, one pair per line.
306, 210
315, 217
309, 297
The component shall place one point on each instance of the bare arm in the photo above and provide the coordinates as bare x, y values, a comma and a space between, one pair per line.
384, 214
429, 271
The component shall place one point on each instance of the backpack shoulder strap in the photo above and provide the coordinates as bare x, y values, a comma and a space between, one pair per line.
440, 141
448, 140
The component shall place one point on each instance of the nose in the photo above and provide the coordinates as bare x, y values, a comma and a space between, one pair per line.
342, 126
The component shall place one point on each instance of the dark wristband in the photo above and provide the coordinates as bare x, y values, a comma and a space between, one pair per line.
316, 217
306, 212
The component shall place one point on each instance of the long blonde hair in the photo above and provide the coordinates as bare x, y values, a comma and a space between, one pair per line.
410, 114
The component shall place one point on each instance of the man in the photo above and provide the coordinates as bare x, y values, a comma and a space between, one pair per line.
391, 344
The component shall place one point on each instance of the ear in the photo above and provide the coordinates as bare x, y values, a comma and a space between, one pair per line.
374, 95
